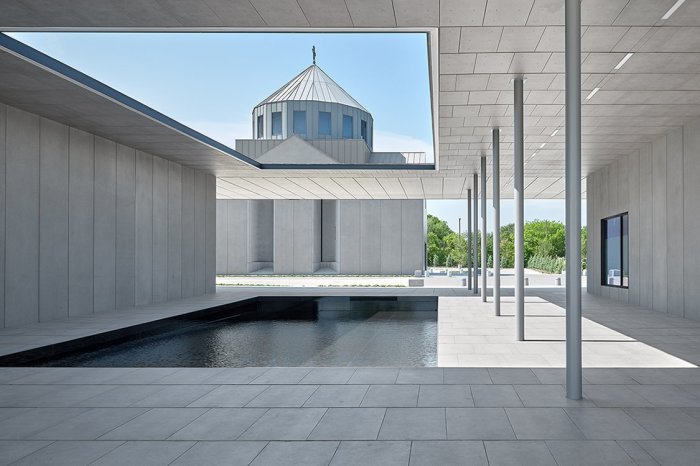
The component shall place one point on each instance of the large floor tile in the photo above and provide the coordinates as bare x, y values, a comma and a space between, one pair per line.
607, 424
420, 375
306, 453
349, 424
667, 423
13, 450
229, 396
518, 453
547, 396
284, 424
413, 424
283, 396
29, 423
384, 396
374, 375
446, 453
229, 453
339, 396
219, 424
68, 453
328, 375
584, 453
175, 396
478, 424
466, 376
457, 396
677, 453
144, 453
282, 375
542, 424
495, 396
90, 425
392, 453
513, 376
155, 424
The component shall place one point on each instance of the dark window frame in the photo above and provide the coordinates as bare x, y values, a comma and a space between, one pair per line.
261, 126
272, 124
330, 123
603, 250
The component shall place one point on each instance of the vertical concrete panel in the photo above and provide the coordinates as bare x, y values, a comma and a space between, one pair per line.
174, 230
81, 221
210, 235
222, 242
126, 227
187, 232
646, 222
675, 220
237, 217
370, 236
604, 205
144, 228
413, 220
3, 124
105, 224
623, 201
634, 218
21, 218
595, 243
200, 199
303, 243
329, 230
283, 236
590, 248
53, 221
317, 234
691, 215
659, 226
391, 233
349, 236
160, 230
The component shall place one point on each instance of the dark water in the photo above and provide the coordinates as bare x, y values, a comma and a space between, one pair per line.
324, 332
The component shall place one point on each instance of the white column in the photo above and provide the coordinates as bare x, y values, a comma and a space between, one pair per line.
573, 198
496, 176
519, 196
484, 264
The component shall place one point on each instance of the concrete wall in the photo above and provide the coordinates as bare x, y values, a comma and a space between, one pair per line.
352, 236
91, 226
659, 186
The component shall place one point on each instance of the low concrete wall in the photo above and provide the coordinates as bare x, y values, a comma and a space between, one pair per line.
90, 225
355, 236
659, 186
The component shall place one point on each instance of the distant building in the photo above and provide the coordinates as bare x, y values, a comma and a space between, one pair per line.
310, 120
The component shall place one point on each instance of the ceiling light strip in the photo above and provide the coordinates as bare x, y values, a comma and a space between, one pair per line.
624, 60
673, 9
593, 92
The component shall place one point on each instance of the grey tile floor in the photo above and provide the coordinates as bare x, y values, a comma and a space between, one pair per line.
635, 414
414, 416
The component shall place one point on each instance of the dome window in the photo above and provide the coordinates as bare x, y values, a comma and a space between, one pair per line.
324, 123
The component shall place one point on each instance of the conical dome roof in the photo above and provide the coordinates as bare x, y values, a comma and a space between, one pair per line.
313, 84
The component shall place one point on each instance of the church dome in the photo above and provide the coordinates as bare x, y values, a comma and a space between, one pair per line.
313, 84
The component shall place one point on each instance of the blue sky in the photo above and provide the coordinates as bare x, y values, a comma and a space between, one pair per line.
211, 82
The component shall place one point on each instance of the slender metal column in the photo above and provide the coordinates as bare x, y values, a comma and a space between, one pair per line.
496, 176
572, 49
484, 264
470, 260
519, 185
476, 234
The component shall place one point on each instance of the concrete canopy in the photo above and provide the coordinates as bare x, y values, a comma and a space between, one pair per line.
482, 45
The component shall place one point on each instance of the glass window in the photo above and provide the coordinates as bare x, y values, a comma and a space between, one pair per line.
324, 123
347, 127
260, 126
615, 260
299, 126
276, 123
363, 130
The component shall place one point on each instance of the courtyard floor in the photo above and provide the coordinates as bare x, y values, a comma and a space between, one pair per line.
644, 411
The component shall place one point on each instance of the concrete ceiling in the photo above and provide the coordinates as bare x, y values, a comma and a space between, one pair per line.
482, 45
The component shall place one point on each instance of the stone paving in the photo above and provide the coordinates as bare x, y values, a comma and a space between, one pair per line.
632, 414
337, 416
